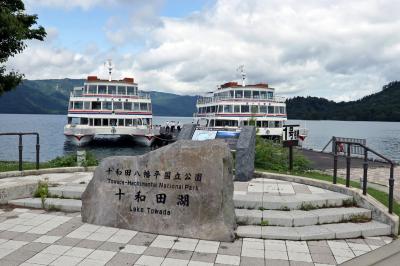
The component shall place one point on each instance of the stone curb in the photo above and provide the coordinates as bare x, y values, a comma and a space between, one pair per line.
386, 255
379, 211
47, 171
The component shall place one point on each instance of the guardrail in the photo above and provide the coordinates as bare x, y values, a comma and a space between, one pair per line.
20, 146
204, 100
349, 144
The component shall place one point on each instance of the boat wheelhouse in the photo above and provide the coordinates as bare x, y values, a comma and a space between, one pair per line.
109, 107
234, 105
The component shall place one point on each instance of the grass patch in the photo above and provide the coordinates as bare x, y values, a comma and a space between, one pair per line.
307, 207
61, 161
359, 218
264, 223
42, 191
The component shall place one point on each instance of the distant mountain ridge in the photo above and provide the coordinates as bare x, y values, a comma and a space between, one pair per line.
380, 106
51, 97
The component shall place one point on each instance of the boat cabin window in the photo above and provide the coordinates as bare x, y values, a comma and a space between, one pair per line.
78, 105
254, 109
247, 94
102, 89
143, 106
149, 105
263, 109
282, 109
84, 121
71, 105
213, 109
207, 109
212, 123
86, 105
73, 120
113, 122
239, 94
225, 123
92, 89
128, 122
259, 123
117, 106
121, 90
136, 106
107, 106
245, 108
256, 94
231, 94
270, 95
220, 108
97, 122
135, 122
90, 121
270, 109
130, 90
105, 122
276, 109
271, 124
263, 95
236, 108
128, 106
121, 122
112, 90
96, 105
264, 123
228, 109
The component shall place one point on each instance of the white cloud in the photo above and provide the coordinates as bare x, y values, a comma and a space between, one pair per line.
340, 49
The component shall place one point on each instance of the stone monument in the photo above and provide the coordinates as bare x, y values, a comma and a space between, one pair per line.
184, 189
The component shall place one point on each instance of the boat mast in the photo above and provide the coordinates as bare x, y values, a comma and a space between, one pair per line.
241, 69
109, 66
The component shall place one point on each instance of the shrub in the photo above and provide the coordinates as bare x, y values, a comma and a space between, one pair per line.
42, 191
271, 155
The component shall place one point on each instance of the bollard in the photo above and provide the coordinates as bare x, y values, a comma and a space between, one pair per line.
80, 157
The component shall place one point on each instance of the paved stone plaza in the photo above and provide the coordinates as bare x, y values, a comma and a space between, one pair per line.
34, 237
379, 175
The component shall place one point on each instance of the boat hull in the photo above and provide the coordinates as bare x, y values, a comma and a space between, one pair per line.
79, 140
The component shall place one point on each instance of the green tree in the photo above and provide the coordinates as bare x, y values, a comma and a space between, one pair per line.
16, 27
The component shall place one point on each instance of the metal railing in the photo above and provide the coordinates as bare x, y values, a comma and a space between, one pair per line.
349, 144
20, 146
204, 100
139, 95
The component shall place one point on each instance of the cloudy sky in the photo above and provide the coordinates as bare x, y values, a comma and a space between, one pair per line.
341, 49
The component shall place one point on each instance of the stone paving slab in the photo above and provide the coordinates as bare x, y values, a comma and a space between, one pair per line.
299, 217
98, 245
67, 205
315, 232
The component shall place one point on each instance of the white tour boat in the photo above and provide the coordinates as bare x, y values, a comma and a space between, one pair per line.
234, 105
109, 107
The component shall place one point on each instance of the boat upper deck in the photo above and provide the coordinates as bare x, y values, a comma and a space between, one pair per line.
95, 87
232, 91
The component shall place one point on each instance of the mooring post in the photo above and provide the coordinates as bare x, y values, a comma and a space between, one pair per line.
391, 186
365, 164
348, 163
37, 151
20, 152
335, 160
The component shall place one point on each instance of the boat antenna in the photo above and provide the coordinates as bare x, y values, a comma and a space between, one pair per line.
109, 66
241, 69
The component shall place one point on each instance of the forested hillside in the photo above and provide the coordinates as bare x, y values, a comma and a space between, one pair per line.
380, 106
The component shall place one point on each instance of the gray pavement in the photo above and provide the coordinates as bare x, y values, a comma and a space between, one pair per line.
36, 237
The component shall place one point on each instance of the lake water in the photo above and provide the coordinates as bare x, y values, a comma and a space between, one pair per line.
384, 137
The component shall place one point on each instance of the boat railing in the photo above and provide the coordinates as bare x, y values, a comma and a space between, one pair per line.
113, 95
204, 100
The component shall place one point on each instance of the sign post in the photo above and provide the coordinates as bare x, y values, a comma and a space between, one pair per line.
290, 140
